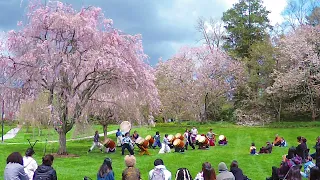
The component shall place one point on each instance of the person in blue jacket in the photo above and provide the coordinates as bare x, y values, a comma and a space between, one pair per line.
105, 171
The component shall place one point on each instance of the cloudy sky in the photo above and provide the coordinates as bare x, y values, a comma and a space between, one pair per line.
165, 25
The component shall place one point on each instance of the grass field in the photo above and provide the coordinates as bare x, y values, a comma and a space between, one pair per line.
240, 138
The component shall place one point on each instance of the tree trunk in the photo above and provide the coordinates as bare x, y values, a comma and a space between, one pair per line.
279, 111
62, 143
105, 128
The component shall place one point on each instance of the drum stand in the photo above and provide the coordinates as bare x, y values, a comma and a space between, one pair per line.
143, 150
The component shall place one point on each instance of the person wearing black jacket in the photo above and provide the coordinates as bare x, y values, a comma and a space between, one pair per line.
267, 149
315, 147
236, 171
45, 171
302, 148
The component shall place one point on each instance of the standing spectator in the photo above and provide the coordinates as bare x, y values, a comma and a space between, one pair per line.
224, 174
236, 171
127, 144
45, 171
119, 137
30, 165
183, 174
315, 173
131, 173
294, 173
159, 172
105, 171
14, 168
207, 172
96, 142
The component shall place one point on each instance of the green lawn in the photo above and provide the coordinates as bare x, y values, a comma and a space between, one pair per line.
240, 138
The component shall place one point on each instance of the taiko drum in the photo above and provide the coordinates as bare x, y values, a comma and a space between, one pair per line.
178, 143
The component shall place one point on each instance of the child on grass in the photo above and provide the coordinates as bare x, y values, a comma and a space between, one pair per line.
253, 149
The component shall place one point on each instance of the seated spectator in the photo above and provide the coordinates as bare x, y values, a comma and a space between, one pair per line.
236, 171
45, 171
289, 161
315, 147
105, 171
317, 157
159, 171
307, 166
267, 149
294, 173
131, 173
207, 172
315, 173
253, 149
302, 149
14, 168
277, 141
224, 174
30, 165
183, 174
283, 142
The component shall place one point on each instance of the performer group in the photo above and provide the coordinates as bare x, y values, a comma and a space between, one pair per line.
178, 142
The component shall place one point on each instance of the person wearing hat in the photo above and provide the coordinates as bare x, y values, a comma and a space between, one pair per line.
267, 149
105, 171
30, 165
130, 173
224, 174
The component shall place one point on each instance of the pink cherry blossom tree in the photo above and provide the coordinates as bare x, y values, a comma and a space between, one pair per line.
196, 78
72, 55
297, 81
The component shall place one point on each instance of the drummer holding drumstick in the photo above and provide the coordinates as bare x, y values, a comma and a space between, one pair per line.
126, 144
194, 133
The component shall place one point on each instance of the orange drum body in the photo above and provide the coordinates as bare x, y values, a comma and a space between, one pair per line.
178, 143
145, 144
111, 145
150, 139
204, 140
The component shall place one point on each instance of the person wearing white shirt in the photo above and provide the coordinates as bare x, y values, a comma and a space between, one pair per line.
30, 165
159, 171
194, 133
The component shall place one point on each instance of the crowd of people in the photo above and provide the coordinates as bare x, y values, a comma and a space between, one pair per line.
26, 168
297, 163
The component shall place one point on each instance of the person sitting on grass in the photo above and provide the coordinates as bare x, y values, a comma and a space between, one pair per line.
14, 168
277, 141
294, 173
289, 161
183, 174
157, 141
315, 147
307, 166
207, 172
159, 172
224, 174
302, 148
30, 165
267, 149
315, 173
130, 173
253, 149
45, 171
105, 171
236, 171
283, 142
